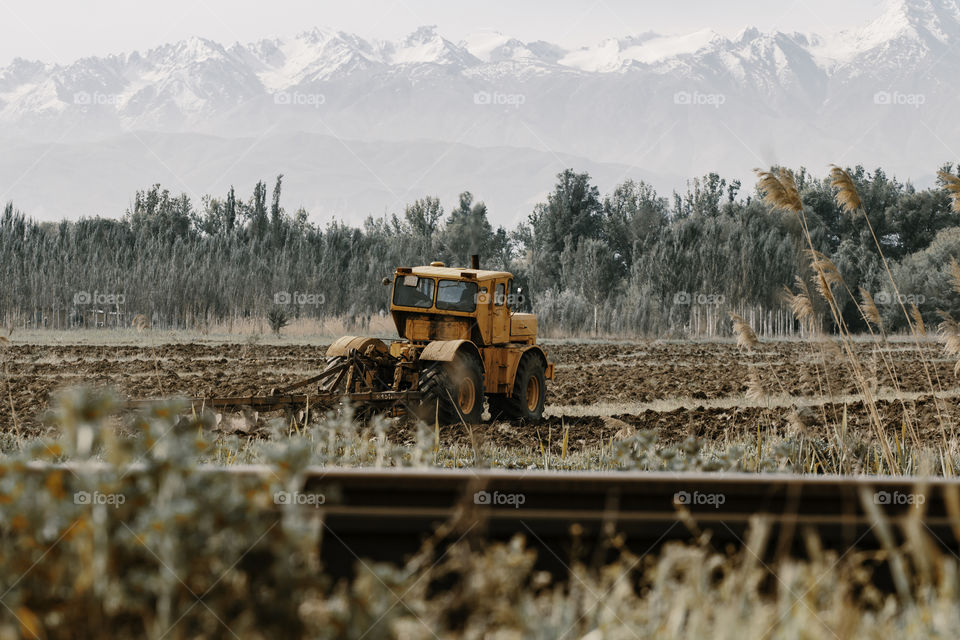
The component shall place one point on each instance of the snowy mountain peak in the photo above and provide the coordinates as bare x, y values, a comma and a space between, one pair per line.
924, 10
319, 35
493, 46
426, 45
422, 35
937, 18
185, 53
914, 18
905, 30
615, 54
747, 34
193, 49
314, 55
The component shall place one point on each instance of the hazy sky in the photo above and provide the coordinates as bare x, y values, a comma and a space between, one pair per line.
63, 31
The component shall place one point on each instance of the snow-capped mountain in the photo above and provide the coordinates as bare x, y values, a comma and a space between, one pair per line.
672, 106
907, 31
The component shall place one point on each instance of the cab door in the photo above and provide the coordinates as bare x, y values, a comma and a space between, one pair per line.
501, 313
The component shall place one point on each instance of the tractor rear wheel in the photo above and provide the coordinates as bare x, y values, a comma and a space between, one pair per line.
529, 393
452, 391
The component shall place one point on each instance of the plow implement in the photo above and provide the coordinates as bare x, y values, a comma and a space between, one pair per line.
353, 378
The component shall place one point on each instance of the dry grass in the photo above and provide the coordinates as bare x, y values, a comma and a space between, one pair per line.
869, 308
949, 331
779, 190
847, 196
952, 184
746, 336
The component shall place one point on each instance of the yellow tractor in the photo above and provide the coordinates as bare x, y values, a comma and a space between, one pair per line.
461, 341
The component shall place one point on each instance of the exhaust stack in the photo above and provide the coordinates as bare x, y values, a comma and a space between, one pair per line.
475, 261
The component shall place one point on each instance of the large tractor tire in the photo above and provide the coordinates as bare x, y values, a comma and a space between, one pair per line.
529, 393
452, 392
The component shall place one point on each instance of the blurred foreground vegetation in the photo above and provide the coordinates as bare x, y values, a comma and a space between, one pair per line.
141, 536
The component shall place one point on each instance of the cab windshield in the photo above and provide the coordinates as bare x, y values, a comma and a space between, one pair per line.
413, 291
457, 295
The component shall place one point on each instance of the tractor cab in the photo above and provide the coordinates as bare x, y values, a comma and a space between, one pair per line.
437, 302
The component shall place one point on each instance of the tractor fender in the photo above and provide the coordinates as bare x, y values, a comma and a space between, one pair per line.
536, 349
447, 350
345, 344
533, 351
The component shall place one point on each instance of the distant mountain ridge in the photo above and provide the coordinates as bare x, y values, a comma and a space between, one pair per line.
672, 106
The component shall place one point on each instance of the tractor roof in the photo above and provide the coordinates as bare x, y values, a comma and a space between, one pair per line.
454, 272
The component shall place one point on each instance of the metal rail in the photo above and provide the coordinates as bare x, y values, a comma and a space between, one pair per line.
386, 514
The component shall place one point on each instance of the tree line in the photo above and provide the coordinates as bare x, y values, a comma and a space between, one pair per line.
630, 262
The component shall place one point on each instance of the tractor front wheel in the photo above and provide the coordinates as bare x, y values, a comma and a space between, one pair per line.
452, 392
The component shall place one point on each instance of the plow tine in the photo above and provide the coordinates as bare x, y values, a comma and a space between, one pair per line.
316, 378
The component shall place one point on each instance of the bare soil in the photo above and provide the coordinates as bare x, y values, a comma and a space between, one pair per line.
599, 391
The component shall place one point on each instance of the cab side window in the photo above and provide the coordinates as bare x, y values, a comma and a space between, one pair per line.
500, 298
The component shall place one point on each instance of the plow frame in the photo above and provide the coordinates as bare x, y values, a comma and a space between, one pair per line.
360, 373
